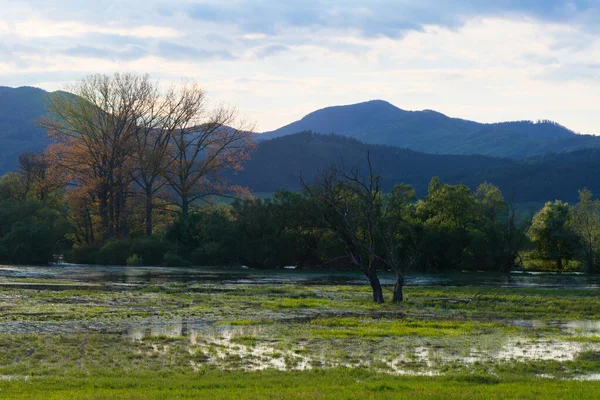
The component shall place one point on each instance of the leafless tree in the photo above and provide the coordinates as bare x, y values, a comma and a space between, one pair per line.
349, 208
202, 147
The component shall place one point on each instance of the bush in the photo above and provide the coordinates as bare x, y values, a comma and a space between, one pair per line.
86, 254
151, 250
135, 261
114, 252
173, 260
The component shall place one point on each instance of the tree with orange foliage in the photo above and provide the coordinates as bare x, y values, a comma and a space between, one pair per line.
115, 135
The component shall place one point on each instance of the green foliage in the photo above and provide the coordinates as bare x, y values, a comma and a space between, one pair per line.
135, 261
277, 163
119, 252
30, 232
206, 236
114, 252
551, 233
173, 260
150, 249
585, 222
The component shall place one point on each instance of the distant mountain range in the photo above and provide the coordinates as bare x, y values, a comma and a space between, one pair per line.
534, 161
379, 122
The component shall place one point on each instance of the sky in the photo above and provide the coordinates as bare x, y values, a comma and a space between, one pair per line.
278, 60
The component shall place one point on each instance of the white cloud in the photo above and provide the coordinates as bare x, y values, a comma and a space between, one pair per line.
39, 28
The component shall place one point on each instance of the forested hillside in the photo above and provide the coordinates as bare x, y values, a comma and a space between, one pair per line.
281, 161
19, 109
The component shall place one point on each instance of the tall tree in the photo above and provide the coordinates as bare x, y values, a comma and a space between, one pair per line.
93, 127
586, 223
349, 205
397, 232
166, 115
204, 145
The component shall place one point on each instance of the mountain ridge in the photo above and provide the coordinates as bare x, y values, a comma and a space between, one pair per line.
429, 131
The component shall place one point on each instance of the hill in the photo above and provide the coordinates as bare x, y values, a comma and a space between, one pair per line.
379, 122
19, 109
281, 161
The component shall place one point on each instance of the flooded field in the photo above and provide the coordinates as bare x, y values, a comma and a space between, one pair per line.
104, 320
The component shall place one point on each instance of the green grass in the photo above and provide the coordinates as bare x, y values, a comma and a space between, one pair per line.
332, 384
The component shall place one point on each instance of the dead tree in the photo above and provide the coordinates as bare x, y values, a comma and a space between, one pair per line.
349, 206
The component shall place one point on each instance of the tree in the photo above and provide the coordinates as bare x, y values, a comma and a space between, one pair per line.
398, 235
498, 233
349, 206
204, 145
165, 116
40, 178
550, 231
93, 128
447, 214
585, 223
122, 135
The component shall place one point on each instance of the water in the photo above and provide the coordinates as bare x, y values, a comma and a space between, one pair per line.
121, 275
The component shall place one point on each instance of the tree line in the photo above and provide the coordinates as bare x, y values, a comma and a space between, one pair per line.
133, 172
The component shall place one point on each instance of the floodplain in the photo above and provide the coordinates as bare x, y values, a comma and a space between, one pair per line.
141, 332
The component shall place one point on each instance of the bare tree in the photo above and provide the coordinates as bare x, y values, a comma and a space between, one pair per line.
203, 146
349, 207
93, 127
165, 117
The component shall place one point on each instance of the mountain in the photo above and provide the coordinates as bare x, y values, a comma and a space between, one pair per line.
379, 122
19, 109
281, 161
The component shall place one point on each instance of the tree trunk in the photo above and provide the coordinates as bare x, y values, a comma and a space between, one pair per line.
185, 208
398, 294
590, 258
149, 207
376, 286
559, 264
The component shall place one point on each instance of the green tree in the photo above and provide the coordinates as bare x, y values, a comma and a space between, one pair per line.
586, 223
552, 235
447, 214
398, 234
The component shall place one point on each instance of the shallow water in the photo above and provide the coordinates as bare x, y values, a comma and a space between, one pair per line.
122, 276
211, 334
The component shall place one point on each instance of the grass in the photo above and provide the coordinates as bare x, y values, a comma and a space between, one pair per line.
331, 384
226, 340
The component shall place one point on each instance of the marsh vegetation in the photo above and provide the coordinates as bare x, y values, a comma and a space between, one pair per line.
217, 332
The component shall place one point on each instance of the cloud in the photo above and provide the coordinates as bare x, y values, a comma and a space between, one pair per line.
128, 53
178, 52
391, 18
271, 50
39, 28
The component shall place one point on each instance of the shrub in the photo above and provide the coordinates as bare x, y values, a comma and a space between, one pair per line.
135, 261
151, 250
114, 252
173, 260
86, 254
